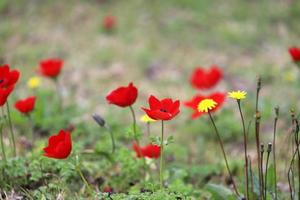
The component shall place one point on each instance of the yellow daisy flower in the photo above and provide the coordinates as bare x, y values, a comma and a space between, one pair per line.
146, 118
238, 95
34, 82
206, 105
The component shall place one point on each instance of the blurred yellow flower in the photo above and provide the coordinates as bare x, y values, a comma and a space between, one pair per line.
238, 95
34, 82
147, 119
206, 105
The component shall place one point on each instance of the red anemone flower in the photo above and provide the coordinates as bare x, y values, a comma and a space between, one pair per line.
165, 109
148, 151
59, 146
25, 106
109, 22
206, 79
4, 93
295, 53
218, 97
8, 77
51, 67
123, 96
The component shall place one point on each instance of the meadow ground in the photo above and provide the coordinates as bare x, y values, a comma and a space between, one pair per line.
156, 45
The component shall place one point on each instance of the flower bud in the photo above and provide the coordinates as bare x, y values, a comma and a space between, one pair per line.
269, 147
262, 148
99, 120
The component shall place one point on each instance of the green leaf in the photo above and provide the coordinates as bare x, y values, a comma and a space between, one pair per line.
219, 192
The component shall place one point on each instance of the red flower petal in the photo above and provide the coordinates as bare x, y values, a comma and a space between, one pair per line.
218, 97
59, 146
205, 79
164, 109
123, 96
295, 53
25, 105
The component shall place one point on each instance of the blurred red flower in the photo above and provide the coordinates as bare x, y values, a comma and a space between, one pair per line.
218, 97
206, 79
8, 77
25, 106
109, 22
123, 96
4, 93
51, 67
165, 109
148, 151
295, 53
59, 146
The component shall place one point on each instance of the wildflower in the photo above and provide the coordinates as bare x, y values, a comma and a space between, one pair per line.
25, 106
147, 119
8, 77
206, 105
206, 79
295, 54
123, 96
148, 151
51, 67
34, 82
59, 146
99, 120
109, 22
165, 109
238, 95
4, 93
218, 97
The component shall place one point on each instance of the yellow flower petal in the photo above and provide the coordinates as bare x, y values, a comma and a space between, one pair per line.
34, 82
146, 118
206, 105
238, 95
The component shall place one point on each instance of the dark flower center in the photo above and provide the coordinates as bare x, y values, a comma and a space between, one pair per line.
163, 110
1, 81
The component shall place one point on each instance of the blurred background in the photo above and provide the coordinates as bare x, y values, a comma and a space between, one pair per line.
156, 44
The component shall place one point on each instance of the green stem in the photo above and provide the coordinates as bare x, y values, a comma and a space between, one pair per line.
136, 139
148, 129
266, 173
274, 151
59, 95
2, 143
112, 139
245, 149
84, 179
224, 154
31, 127
11, 130
161, 173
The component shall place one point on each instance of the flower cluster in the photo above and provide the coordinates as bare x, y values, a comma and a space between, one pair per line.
8, 79
202, 79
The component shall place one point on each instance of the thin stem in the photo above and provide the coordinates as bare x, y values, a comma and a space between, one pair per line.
112, 139
251, 173
245, 149
31, 127
2, 143
59, 95
134, 125
257, 139
148, 129
84, 179
11, 130
224, 154
261, 167
137, 139
266, 173
161, 173
274, 151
